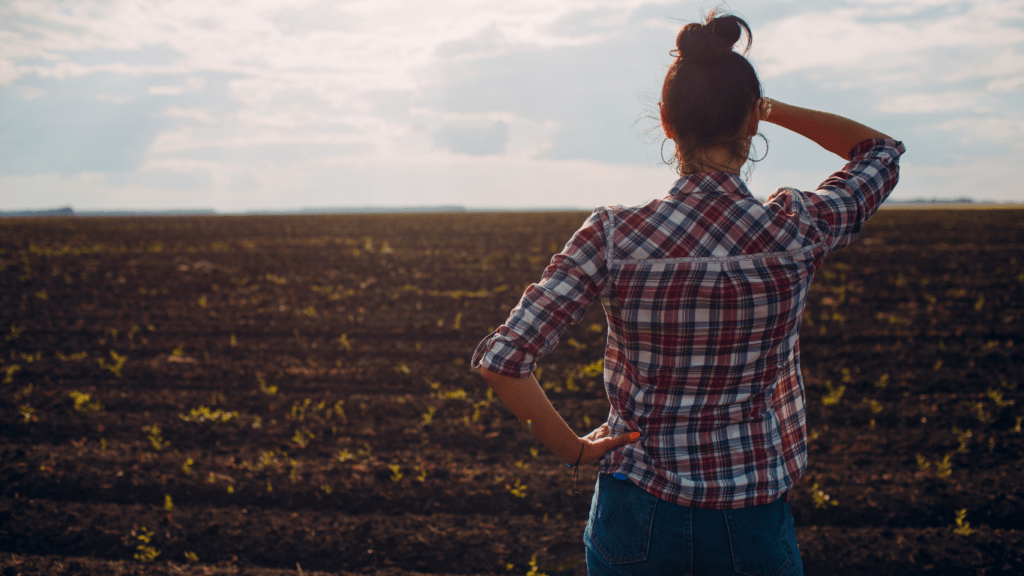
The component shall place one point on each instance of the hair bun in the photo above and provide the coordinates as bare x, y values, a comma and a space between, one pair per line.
712, 40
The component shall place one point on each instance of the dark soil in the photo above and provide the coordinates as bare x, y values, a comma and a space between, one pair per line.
270, 394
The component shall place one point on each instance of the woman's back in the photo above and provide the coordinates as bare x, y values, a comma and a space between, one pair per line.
704, 291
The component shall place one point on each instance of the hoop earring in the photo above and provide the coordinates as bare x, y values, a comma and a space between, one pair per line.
662, 152
765, 147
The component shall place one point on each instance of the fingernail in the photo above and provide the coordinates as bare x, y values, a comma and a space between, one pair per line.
633, 436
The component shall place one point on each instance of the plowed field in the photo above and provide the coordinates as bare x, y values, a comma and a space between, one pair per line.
269, 394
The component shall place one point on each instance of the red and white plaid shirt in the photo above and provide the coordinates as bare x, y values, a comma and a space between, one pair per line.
704, 291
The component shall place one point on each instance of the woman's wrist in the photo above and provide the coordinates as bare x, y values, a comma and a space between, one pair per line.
764, 108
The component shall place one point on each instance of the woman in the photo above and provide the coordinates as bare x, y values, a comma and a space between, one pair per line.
704, 291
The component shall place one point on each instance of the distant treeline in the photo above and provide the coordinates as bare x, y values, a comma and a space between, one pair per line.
68, 211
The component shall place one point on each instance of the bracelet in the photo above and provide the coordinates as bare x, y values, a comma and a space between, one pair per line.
576, 472
766, 108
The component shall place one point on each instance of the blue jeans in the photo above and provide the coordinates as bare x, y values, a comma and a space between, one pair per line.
632, 532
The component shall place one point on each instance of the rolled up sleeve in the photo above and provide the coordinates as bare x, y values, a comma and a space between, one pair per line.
570, 283
847, 198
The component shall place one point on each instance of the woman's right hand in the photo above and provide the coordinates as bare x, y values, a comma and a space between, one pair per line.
600, 442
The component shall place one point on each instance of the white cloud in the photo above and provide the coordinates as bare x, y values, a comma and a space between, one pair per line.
923, 103
115, 98
197, 114
862, 38
192, 84
380, 94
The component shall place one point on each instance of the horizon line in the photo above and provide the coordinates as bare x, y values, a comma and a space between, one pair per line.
421, 209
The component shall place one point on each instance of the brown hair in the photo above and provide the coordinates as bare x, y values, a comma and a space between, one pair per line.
709, 89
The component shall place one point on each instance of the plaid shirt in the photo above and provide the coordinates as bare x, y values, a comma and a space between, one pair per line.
704, 291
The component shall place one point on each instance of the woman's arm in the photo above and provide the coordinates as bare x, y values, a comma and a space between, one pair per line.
529, 403
834, 133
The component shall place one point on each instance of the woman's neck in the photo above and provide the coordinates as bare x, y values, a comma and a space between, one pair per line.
716, 159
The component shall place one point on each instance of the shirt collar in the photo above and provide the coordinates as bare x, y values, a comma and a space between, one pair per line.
707, 182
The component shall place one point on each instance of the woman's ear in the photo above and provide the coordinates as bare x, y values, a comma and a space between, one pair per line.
753, 119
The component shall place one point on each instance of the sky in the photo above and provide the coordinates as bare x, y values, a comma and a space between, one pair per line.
288, 104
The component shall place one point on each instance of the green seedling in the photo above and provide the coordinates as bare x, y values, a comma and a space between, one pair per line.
979, 412
168, 504
293, 474
268, 390
76, 357
84, 402
882, 382
344, 342
575, 344
15, 332
233, 341
344, 456
943, 469
1017, 420
145, 552
963, 528
875, 406
204, 414
997, 397
457, 394
518, 489
340, 411
155, 438
187, 466
191, 557
28, 413
822, 500
299, 410
962, 436
302, 438
428, 416
834, 395
327, 488
534, 571
422, 472
922, 463
116, 365
458, 321
396, 474
592, 370
9, 373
